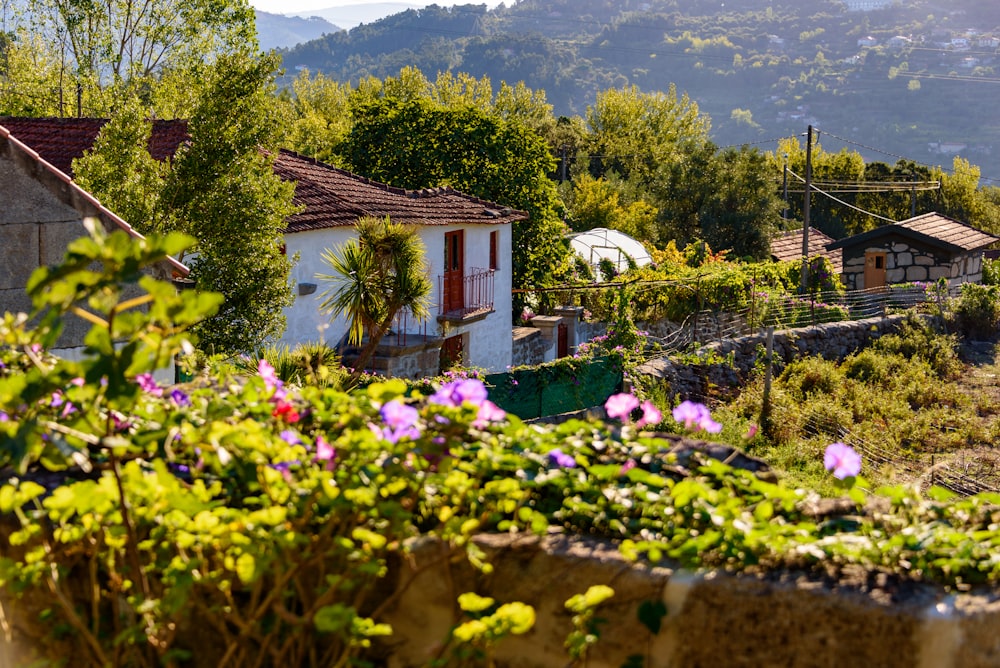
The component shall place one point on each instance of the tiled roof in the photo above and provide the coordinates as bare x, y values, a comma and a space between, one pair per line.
65, 189
334, 197
788, 246
61, 140
931, 228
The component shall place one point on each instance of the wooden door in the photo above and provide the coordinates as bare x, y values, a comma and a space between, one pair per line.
454, 269
452, 352
562, 340
874, 270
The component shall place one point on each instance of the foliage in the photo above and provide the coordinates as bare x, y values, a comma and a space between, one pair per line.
307, 364
268, 518
119, 171
977, 311
376, 276
223, 191
497, 159
112, 50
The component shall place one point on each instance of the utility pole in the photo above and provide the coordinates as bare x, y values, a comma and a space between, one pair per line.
784, 187
804, 287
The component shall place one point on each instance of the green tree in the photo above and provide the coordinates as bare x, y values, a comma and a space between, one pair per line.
120, 172
68, 57
603, 203
742, 211
417, 143
375, 277
223, 191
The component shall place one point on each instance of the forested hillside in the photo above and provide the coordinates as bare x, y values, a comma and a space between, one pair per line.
915, 80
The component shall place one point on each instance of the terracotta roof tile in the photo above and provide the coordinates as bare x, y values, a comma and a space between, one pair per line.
332, 197
788, 246
61, 140
933, 228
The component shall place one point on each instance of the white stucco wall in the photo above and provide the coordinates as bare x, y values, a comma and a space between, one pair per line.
488, 343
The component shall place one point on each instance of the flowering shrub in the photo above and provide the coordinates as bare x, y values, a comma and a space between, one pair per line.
267, 516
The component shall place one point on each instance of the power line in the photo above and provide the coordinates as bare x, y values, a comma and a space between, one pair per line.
842, 202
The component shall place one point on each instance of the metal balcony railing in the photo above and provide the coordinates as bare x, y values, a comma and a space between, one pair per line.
477, 294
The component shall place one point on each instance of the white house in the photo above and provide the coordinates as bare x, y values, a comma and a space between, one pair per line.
468, 251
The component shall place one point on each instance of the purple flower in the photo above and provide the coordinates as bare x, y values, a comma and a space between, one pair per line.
488, 412
620, 406
650, 414
843, 460
148, 384
4, 417
693, 416
400, 420
179, 398
458, 392
561, 459
285, 468
290, 437
271, 380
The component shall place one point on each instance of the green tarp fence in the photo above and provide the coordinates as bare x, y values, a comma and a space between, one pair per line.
554, 389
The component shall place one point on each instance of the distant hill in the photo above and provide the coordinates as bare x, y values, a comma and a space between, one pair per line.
916, 79
276, 31
351, 16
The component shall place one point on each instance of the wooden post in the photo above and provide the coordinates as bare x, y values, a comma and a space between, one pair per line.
765, 409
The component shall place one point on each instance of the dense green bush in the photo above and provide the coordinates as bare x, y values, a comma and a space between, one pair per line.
977, 311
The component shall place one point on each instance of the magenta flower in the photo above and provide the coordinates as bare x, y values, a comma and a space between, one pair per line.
627, 466
148, 384
695, 416
325, 452
620, 406
650, 414
561, 459
488, 412
458, 392
843, 460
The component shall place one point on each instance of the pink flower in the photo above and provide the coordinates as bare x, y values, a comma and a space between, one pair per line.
148, 384
620, 406
843, 460
751, 432
627, 466
325, 452
488, 412
696, 416
650, 414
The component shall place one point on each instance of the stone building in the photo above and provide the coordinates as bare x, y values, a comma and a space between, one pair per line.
928, 247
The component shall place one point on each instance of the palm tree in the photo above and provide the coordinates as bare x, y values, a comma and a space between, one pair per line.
375, 277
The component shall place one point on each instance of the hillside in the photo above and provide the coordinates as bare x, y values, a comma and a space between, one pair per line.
276, 31
915, 79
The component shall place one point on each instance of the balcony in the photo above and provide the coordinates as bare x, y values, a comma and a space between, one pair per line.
467, 298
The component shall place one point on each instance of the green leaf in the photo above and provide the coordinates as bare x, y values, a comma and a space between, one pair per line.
473, 602
651, 614
246, 568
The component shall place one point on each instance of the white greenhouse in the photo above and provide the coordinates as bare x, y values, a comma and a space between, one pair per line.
600, 243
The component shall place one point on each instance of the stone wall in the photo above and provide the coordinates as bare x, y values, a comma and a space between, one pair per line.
906, 263
530, 347
713, 618
833, 341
